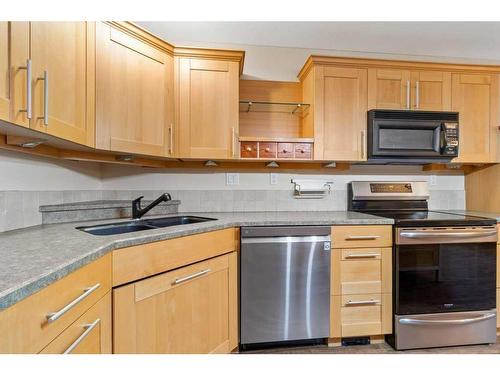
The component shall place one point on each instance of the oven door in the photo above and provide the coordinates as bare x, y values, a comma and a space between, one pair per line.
405, 138
445, 270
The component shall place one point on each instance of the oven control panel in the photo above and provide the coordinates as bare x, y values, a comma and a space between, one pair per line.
390, 188
449, 144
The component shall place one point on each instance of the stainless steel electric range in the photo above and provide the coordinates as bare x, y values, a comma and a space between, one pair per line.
444, 267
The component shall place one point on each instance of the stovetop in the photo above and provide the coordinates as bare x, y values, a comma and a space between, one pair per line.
421, 218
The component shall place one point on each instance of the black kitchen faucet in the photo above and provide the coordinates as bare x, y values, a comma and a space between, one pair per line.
138, 212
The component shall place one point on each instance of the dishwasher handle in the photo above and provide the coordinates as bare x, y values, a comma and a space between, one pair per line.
306, 239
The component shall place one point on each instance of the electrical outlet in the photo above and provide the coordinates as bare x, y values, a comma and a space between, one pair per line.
433, 181
232, 178
273, 178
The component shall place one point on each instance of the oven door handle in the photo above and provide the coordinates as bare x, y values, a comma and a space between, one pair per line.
412, 321
452, 234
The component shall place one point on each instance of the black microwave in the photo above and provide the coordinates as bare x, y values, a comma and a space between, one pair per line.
412, 137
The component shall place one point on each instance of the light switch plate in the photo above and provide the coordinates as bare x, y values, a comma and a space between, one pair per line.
232, 178
273, 178
433, 181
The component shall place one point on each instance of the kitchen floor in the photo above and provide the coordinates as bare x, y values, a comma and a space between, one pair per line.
382, 348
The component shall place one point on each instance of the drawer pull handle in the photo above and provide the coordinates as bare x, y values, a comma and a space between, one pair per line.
356, 238
190, 277
52, 317
354, 256
366, 302
88, 329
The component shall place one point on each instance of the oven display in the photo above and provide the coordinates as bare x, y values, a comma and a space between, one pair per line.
390, 188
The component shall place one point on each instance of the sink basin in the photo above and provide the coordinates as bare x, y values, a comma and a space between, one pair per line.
140, 225
163, 222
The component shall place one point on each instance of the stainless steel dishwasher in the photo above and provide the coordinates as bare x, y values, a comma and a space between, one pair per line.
285, 284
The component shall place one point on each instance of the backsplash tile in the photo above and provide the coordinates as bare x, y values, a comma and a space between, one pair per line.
20, 209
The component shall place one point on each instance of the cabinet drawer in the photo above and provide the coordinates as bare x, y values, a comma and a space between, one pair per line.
285, 150
267, 150
303, 151
28, 328
361, 315
90, 334
358, 271
249, 150
361, 236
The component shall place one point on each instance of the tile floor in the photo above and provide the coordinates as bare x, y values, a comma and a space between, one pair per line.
382, 348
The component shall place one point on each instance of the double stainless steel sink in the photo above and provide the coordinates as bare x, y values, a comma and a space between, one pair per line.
140, 225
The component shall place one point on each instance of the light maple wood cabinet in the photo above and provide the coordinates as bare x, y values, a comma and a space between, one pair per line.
339, 101
14, 56
361, 282
405, 89
62, 55
31, 324
189, 310
89, 334
134, 91
207, 92
476, 98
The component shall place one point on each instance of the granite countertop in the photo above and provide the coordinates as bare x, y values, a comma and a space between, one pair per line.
35, 257
100, 204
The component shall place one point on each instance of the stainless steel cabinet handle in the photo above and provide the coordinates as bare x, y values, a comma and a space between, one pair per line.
45, 80
351, 238
88, 329
417, 94
366, 302
52, 317
28, 89
171, 131
407, 94
441, 234
190, 277
362, 144
411, 321
354, 256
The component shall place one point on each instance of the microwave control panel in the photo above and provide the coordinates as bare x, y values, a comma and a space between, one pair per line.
449, 145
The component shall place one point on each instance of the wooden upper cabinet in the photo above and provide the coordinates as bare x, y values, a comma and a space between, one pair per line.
476, 98
14, 55
134, 92
207, 107
430, 90
62, 58
405, 89
340, 113
389, 89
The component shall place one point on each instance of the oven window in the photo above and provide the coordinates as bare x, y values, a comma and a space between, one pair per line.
445, 278
407, 139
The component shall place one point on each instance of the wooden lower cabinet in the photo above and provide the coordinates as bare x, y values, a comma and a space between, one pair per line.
90, 334
361, 315
192, 309
361, 281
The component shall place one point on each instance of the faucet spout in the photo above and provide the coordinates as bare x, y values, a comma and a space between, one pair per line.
138, 211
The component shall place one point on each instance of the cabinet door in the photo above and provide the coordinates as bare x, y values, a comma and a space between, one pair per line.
59, 53
89, 334
431, 90
189, 310
134, 94
476, 98
14, 54
389, 89
208, 108
341, 109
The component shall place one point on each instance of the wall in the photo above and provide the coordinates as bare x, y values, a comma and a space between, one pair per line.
483, 192
204, 192
27, 182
